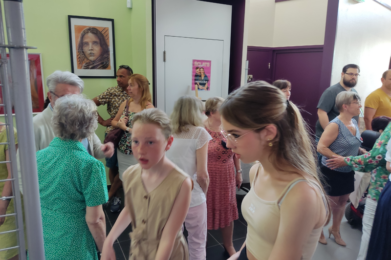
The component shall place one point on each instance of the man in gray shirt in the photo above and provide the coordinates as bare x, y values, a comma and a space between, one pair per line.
326, 106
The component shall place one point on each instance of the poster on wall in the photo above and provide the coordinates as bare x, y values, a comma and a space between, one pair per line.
36, 84
201, 75
92, 46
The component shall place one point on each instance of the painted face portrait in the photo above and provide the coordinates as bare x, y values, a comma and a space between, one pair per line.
93, 51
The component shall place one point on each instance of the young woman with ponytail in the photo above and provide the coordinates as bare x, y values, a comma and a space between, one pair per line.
286, 208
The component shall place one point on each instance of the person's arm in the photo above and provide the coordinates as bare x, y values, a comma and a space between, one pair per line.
323, 118
95, 218
100, 119
122, 222
175, 221
239, 177
369, 113
388, 166
328, 137
102, 150
7, 189
299, 214
368, 161
119, 122
202, 167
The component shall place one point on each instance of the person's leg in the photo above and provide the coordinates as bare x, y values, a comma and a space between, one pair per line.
115, 182
227, 234
196, 225
367, 222
338, 208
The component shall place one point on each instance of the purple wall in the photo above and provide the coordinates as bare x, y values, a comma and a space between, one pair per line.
237, 33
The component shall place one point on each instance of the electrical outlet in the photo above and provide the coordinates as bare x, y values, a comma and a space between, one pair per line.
249, 78
129, 3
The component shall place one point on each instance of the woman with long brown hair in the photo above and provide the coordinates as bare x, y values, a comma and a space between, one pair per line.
286, 208
140, 99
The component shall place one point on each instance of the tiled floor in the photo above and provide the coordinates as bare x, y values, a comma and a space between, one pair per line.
215, 249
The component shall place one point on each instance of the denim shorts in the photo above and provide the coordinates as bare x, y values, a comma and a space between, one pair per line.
113, 161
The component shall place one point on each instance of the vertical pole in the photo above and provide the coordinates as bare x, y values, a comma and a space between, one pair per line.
23, 112
11, 138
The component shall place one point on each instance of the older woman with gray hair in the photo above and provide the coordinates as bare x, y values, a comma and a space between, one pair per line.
72, 184
340, 137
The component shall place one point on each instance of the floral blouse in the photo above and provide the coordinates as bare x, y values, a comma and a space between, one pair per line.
125, 144
374, 161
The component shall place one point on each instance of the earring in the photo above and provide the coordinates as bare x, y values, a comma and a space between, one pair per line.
270, 143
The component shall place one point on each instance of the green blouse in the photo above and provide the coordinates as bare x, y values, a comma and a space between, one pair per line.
70, 180
374, 161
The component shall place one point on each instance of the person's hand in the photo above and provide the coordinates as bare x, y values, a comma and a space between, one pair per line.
107, 122
239, 179
3, 211
235, 256
336, 161
108, 149
362, 150
122, 122
107, 252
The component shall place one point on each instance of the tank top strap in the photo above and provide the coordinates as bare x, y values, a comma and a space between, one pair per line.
322, 193
256, 175
287, 190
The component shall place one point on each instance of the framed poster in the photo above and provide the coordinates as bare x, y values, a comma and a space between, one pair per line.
92, 46
201, 72
36, 84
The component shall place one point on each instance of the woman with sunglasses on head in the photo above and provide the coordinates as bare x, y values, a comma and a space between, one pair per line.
340, 137
189, 152
221, 197
286, 207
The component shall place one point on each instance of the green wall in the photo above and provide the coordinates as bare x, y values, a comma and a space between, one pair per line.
47, 29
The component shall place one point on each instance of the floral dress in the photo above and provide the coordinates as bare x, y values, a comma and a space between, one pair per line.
125, 144
374, 161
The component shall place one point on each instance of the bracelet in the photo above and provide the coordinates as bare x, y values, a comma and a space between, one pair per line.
239, 171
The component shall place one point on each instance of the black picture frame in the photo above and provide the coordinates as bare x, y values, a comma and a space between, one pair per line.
99, 30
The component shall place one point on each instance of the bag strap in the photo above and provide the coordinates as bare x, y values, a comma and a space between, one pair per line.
127, 107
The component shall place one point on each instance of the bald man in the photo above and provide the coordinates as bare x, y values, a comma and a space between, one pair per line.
378, 103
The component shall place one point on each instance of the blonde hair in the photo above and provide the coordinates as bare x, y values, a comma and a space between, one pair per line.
213, 104
345, 98
187, 111
156, 117
143, 84
259, 104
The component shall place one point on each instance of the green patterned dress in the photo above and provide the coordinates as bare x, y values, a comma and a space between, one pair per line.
70, 179
374, 161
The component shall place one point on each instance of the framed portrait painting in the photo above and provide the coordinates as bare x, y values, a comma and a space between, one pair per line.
36, 84
92, 46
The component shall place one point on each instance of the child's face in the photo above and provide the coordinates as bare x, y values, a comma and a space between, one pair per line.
149, 144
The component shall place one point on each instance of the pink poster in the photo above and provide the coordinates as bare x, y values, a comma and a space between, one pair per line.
201, 74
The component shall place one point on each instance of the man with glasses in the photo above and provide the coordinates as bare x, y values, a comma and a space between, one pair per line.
378, 103
61, 83
326, 106
114, 97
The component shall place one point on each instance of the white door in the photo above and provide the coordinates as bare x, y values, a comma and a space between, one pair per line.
180, 53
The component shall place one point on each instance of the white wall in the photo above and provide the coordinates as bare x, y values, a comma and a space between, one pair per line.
363, 37
287, 23
191, 18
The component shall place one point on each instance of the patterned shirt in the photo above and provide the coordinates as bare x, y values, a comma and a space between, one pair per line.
113, 97
374, 161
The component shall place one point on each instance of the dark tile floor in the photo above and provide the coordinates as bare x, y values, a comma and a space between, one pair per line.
214, 246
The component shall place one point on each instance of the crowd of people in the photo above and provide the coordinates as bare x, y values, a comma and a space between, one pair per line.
181, 171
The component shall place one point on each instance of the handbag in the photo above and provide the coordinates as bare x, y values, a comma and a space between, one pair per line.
116, 134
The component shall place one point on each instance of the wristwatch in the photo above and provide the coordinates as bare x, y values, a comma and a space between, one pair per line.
239, 171
4, 198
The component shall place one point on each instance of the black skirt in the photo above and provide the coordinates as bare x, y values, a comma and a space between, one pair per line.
337, 183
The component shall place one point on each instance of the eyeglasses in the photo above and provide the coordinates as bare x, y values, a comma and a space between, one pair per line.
54, 94
353, 74
231, 137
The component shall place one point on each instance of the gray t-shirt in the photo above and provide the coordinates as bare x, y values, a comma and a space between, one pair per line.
327, 103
